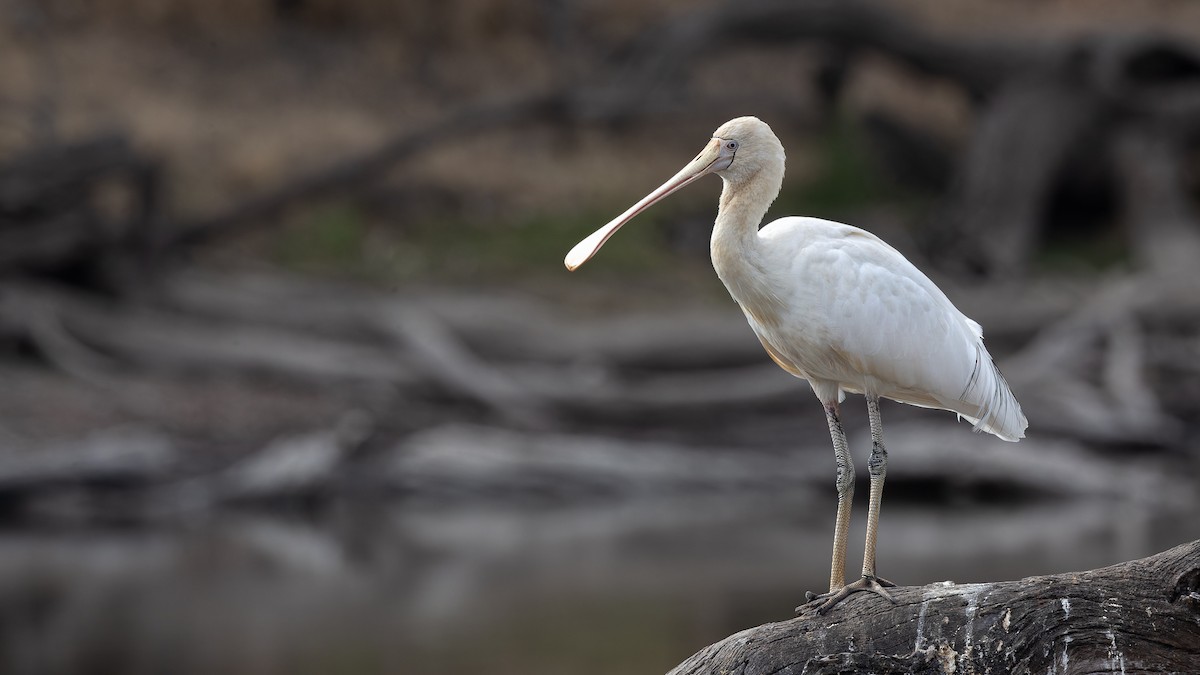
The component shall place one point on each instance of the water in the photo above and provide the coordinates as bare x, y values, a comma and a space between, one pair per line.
628, 585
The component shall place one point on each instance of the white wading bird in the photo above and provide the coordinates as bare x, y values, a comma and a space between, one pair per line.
836, 306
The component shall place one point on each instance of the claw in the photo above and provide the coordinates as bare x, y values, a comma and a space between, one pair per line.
829, 600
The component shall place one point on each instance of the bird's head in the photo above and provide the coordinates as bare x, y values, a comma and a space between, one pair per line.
753, 147
739, 150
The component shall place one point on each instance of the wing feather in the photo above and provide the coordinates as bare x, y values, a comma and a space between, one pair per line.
869, 320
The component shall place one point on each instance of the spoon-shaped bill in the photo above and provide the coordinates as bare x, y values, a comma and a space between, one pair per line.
708, 161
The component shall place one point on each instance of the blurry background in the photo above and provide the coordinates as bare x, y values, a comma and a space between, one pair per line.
294, 380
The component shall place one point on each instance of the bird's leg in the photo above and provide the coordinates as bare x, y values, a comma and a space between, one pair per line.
845, 490
877, 466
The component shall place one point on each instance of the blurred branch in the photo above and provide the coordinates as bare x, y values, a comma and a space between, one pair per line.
448, 362
659, 56
1085, 373
1039, 104
663, 53
1060, 119
1057, 368
357, 170
1020, 144
1044, 108
1139, 614
464, 462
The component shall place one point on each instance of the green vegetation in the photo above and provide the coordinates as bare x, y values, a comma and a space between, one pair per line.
340, 239
329, 238
460, 249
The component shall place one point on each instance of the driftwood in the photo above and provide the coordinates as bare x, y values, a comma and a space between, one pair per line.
471, 460
137, 475
1141, 616
1038, 104
1100, 364
1113, 364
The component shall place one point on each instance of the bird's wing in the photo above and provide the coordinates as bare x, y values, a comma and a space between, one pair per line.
880, 325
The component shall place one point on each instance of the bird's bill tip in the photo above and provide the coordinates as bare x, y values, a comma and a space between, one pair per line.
584, 250
575, 258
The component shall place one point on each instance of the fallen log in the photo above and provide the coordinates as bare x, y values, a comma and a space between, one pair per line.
485, 461
1141, 616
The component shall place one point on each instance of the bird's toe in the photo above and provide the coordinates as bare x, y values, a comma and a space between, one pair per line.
824, 602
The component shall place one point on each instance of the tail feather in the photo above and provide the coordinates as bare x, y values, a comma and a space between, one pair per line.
988, 403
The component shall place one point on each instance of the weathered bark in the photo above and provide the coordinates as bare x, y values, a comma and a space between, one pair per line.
1141, 616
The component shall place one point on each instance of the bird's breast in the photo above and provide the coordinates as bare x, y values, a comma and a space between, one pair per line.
782, 305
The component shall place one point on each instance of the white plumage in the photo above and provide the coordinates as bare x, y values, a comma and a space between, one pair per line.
866, 320
837, 306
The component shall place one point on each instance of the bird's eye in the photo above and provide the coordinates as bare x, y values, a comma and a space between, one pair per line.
731, 145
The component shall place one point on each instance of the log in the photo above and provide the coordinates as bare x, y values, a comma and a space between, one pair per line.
483, 462
1141, 616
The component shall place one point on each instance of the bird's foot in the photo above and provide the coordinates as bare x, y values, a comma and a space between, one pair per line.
827, 601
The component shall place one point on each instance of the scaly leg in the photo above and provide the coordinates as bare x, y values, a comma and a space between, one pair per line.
845, 489
877, 466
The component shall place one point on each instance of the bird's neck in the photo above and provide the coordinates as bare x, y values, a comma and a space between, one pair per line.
736, 253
